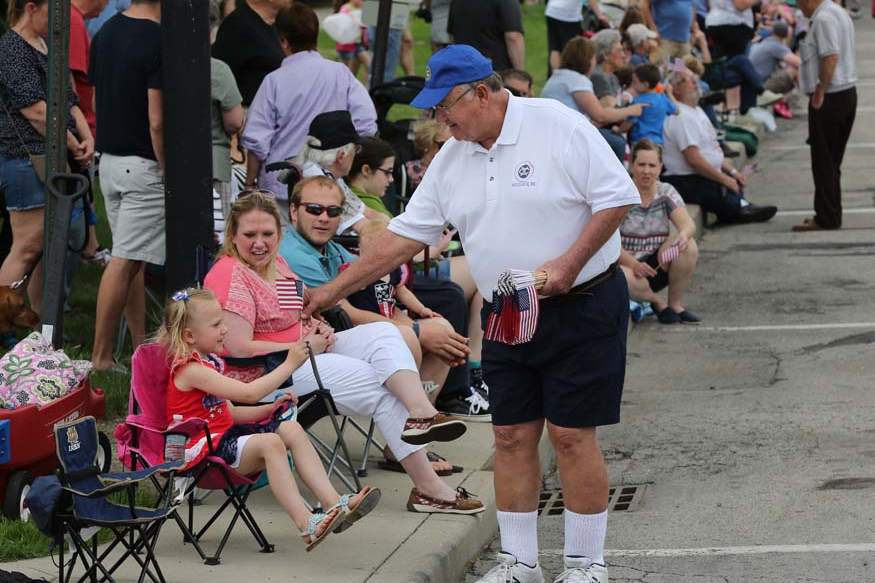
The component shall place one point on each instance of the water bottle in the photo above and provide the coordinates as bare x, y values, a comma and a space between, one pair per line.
174, 443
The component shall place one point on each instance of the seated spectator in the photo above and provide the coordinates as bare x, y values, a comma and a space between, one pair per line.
633, 16
246, 437
329, 150
369, 369
773, 60
367, 177
570, 85
610, 55
429, 135
517, 82
310, 236
288, 100
649, 124
695, 164
643, 45
651, 259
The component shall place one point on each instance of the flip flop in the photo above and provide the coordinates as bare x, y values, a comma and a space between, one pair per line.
395, 466
313, 525
354, 513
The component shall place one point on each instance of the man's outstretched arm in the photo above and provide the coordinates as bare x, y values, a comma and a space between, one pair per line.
385, 252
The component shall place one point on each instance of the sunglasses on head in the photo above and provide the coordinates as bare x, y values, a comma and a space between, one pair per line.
316, 210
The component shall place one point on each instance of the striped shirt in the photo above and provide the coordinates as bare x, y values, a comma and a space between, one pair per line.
645, 228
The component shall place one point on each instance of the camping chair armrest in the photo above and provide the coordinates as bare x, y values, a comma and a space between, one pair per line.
116, 481
190, 427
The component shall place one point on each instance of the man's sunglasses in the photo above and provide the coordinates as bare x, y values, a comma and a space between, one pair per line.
316, 210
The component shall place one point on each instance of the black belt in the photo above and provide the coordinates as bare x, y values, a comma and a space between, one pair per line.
583, 288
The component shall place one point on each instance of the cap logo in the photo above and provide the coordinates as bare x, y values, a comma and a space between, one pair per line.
427, 73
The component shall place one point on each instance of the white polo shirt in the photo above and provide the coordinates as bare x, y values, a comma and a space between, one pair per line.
526, 200
691, 127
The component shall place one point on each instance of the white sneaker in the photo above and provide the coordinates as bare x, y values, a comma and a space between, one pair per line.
582, 570
509, 570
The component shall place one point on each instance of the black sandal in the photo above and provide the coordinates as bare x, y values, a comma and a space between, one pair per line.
395, 466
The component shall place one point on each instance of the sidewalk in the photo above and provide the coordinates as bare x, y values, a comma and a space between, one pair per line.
391, 545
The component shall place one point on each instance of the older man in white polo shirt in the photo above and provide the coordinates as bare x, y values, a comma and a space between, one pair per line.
530, 185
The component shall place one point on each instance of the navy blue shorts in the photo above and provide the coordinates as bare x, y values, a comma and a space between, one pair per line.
227, 448
572, 371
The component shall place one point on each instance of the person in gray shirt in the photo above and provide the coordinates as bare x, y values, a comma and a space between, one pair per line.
828, 77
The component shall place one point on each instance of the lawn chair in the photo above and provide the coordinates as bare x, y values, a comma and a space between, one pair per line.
134, 528
140, 444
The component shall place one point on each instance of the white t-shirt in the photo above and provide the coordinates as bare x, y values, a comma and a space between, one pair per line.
691, 127
831, 33
565, 10
527, 199
723, 13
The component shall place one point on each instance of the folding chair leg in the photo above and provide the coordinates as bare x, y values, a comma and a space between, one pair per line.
369, 440
342, 442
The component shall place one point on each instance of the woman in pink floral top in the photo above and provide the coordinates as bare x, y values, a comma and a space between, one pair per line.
368, 369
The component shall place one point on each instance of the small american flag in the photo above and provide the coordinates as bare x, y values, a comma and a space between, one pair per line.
669, 254
514, 315
290, 293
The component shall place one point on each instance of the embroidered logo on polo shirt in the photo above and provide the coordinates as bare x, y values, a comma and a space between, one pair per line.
524, 171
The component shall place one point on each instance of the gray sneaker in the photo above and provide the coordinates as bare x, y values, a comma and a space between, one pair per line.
582, 570
509, 570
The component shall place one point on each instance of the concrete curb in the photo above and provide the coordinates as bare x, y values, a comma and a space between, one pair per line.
442, 547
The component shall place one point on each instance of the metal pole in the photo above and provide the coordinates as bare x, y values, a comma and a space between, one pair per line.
188, 173
56, 156
381, 43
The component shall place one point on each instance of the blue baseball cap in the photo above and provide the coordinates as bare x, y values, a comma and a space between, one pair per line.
451, 66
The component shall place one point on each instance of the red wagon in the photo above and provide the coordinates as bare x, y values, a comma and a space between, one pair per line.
27, 443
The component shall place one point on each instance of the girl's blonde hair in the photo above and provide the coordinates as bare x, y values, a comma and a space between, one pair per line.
255, 200
177, 316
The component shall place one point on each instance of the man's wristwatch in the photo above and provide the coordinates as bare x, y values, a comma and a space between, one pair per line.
415, 326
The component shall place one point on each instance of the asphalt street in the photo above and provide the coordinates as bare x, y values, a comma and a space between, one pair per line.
751, 438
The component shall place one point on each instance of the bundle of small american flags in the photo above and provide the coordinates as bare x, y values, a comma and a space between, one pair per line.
514, 315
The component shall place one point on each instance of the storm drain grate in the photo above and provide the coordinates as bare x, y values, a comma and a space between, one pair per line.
620, 499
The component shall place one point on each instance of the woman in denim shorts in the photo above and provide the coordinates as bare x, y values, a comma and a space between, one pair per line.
23, 74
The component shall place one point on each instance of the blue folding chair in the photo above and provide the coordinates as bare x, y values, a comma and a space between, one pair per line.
87, 504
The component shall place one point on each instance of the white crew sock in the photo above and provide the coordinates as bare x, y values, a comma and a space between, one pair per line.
519, 535
585, 535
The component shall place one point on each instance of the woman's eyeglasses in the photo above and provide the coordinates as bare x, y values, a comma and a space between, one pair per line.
316, 210
388, 172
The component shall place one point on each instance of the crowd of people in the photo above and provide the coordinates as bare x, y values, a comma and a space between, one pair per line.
660, 83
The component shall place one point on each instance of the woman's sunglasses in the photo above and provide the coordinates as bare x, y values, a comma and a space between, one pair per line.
316, 210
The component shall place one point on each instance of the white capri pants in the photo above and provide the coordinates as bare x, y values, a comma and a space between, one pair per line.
360, 361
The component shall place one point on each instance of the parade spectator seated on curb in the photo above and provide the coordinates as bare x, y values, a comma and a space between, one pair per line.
307, 248
288, 100
369, 369
610, 55
517, 82
126, 73
429, 136
446, 287
329, 150
643, 45
570, 85
659, 106
248, 438
23, 91
249, 43
651, 258
773, 60
695, 164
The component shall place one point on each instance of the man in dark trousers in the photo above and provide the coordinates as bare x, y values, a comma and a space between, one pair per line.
828, 77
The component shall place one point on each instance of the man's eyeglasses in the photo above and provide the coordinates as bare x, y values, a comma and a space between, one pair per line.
440, 107
316, 210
